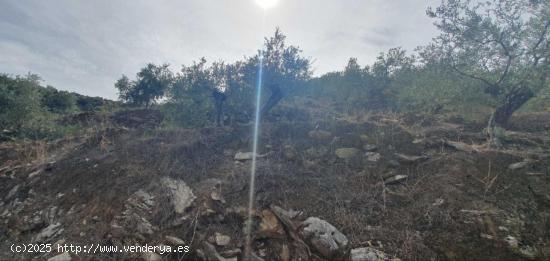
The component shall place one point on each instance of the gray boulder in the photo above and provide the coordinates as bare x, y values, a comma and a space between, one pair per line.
325, 239
181, 195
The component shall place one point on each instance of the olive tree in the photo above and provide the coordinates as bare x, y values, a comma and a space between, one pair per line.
502, 43
150, 85
283, 69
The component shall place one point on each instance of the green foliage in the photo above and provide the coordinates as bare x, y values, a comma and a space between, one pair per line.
150, 85
19, 101
58, 101
502, 43
86, 103
283, 69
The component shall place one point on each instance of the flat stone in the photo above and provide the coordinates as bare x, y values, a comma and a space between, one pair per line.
48, 232
410, 159
150, 256
395, 179
346, 153
518, 165
174, 240
369, 254
370, 147
373, 156
221, 239
61, 257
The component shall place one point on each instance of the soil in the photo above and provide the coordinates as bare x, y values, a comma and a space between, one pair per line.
455, 204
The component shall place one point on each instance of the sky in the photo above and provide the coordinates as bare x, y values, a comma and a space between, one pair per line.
85, 46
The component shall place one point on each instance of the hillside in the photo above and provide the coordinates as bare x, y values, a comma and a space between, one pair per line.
396, 186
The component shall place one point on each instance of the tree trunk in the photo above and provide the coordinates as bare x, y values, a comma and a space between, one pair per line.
219, 99
512, 102
274, 98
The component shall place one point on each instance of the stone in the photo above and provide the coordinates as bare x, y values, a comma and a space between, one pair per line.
270, 226
410, 159
395, 179
174, 240
325, 239
370, 147
181, 195
221, 239
61, 257
369, 254
320, 135
346, 153
518, 165
34, 174
373, 156
151, 256
512, 242
12, 192
242, 156
48, 232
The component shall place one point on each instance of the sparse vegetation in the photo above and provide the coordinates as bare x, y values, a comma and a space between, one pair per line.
437, 153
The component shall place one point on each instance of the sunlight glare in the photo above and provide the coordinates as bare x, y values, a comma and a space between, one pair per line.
266, 4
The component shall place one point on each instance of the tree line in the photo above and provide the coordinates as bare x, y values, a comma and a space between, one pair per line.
497, 50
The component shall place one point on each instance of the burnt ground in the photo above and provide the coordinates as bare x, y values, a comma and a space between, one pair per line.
456, 199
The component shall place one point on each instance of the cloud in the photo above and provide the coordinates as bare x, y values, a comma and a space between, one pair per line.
85, 46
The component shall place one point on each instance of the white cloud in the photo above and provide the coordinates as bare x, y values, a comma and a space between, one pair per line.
84, 46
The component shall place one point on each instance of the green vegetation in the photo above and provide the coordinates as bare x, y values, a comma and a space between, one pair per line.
490, 60
28, 109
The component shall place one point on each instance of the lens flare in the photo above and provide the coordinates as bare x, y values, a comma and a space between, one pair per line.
266, 4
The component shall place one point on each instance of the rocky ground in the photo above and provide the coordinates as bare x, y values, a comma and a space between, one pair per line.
329, 187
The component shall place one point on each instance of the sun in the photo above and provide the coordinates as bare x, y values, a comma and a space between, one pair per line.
266, 4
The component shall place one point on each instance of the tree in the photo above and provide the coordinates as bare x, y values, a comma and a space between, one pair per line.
503, 43
150, 85
283, 69
58, 101
387, 67
19, 101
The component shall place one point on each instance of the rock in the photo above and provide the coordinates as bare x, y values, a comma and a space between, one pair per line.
34, 174
270, 226
217, 196
181, 195
460, 146
242, 156
528, 252
370, 147
48, 232
393, 163
512, 242
61, 257
325, 239
395, 179
12, 192
221, 239
320, 135
346, 153
518, 165
373, 156
151, 256
410, 159
144, 227
369, 254
174, 241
